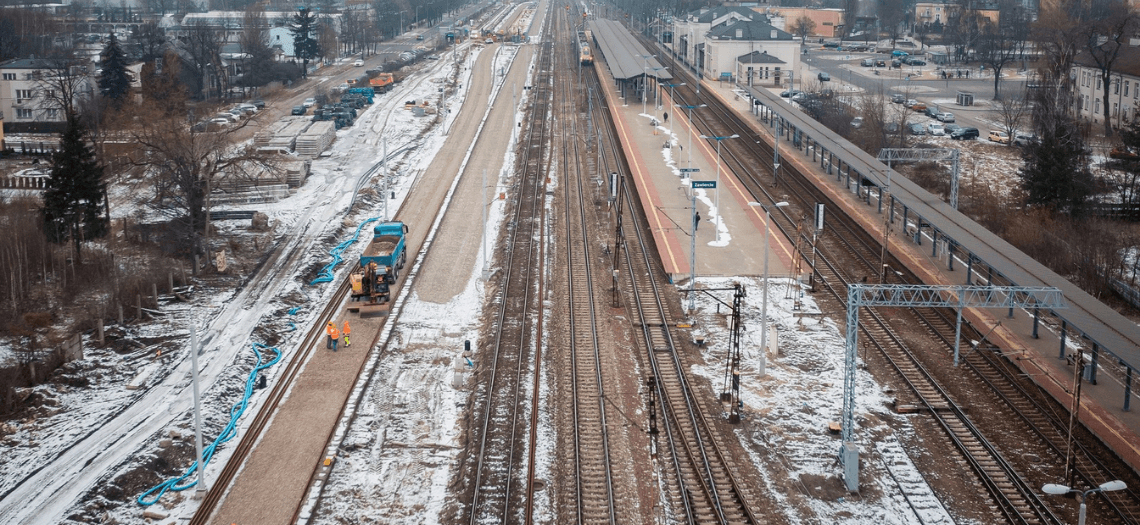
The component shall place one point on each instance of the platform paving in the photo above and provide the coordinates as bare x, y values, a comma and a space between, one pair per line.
1101, 409
667, 201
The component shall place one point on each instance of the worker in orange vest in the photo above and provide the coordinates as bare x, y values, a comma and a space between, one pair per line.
334, 335
347, 330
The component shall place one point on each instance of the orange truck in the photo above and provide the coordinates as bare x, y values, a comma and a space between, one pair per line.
382, 82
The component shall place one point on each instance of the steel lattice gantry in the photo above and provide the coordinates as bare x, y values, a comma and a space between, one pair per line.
920, 154
921, 296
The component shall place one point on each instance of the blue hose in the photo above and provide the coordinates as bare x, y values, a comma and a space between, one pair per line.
326, 274
180, 483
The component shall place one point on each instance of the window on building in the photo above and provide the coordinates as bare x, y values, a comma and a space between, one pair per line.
51, 114
1126, 87
1098, 82
24, 113
1097, 110
1115, 109
22, 95
9, 76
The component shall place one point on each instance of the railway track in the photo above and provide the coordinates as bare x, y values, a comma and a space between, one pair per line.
264, 416
594, 490
1014, 498
698, 481
497, 496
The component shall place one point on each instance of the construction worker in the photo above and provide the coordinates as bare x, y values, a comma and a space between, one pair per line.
347, 330
334, 335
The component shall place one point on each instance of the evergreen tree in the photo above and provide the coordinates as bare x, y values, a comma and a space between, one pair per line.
74, 205
115, 79
305, 45
1056, 171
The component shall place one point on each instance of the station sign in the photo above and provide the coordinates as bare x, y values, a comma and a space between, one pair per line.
690, 170
704, 184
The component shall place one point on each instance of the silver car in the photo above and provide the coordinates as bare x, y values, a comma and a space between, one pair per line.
945, 117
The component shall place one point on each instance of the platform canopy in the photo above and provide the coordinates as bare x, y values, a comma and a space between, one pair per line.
624, 55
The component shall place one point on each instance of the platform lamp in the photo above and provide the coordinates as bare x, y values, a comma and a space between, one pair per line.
645, 81
716, 232
691, 108
764, 293
1060, 490
671, 86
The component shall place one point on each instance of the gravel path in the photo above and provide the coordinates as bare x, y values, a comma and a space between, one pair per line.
461, 232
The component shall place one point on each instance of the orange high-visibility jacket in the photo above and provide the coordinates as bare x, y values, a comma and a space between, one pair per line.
332, 331
347, 329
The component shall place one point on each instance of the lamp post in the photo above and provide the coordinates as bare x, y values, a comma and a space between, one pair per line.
645, 81
1060, 490
656, 91
671, 86
691, 108
764, 293
717, 201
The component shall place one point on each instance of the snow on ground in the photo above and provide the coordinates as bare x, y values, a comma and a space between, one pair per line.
311, 221
399, 454
786, 412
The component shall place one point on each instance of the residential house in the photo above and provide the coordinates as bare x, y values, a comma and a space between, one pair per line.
827, 21
714, 40
1123, 92
27, 92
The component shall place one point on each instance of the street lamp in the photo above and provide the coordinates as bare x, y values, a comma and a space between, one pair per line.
1060, 490
717, 202
764, 294
671, 86
691, 108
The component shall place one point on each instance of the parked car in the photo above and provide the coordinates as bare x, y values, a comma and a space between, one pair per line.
790, 93
915, 61
919, 106
917, 129
899, 53
488, 41
965, 134
249, 109
358, 63
945, 116
866, 62
910, 102
891, 127
1000, 137
896, 63
935, 129
1123, 153
831, 44
218, 122
309, 102
228, 117
880, 63
1024, 139
857, 122
258, 103
898, 98
299, 110
931, 111
432, 57
951, 128
823, 76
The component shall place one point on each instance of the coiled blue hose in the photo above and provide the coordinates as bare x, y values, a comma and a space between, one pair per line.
180, 483
326, 274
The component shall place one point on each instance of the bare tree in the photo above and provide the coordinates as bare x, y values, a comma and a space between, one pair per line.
1112, 24
999, 44
62, 86
1011, 112
203, 46
802, 27
185, 164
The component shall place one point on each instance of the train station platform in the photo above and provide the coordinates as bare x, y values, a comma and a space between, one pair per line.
1044, 353
656, 156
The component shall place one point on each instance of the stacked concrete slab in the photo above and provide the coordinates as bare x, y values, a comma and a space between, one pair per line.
318, 137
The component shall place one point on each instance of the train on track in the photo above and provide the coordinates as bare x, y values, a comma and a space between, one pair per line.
379, 268
585, 56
